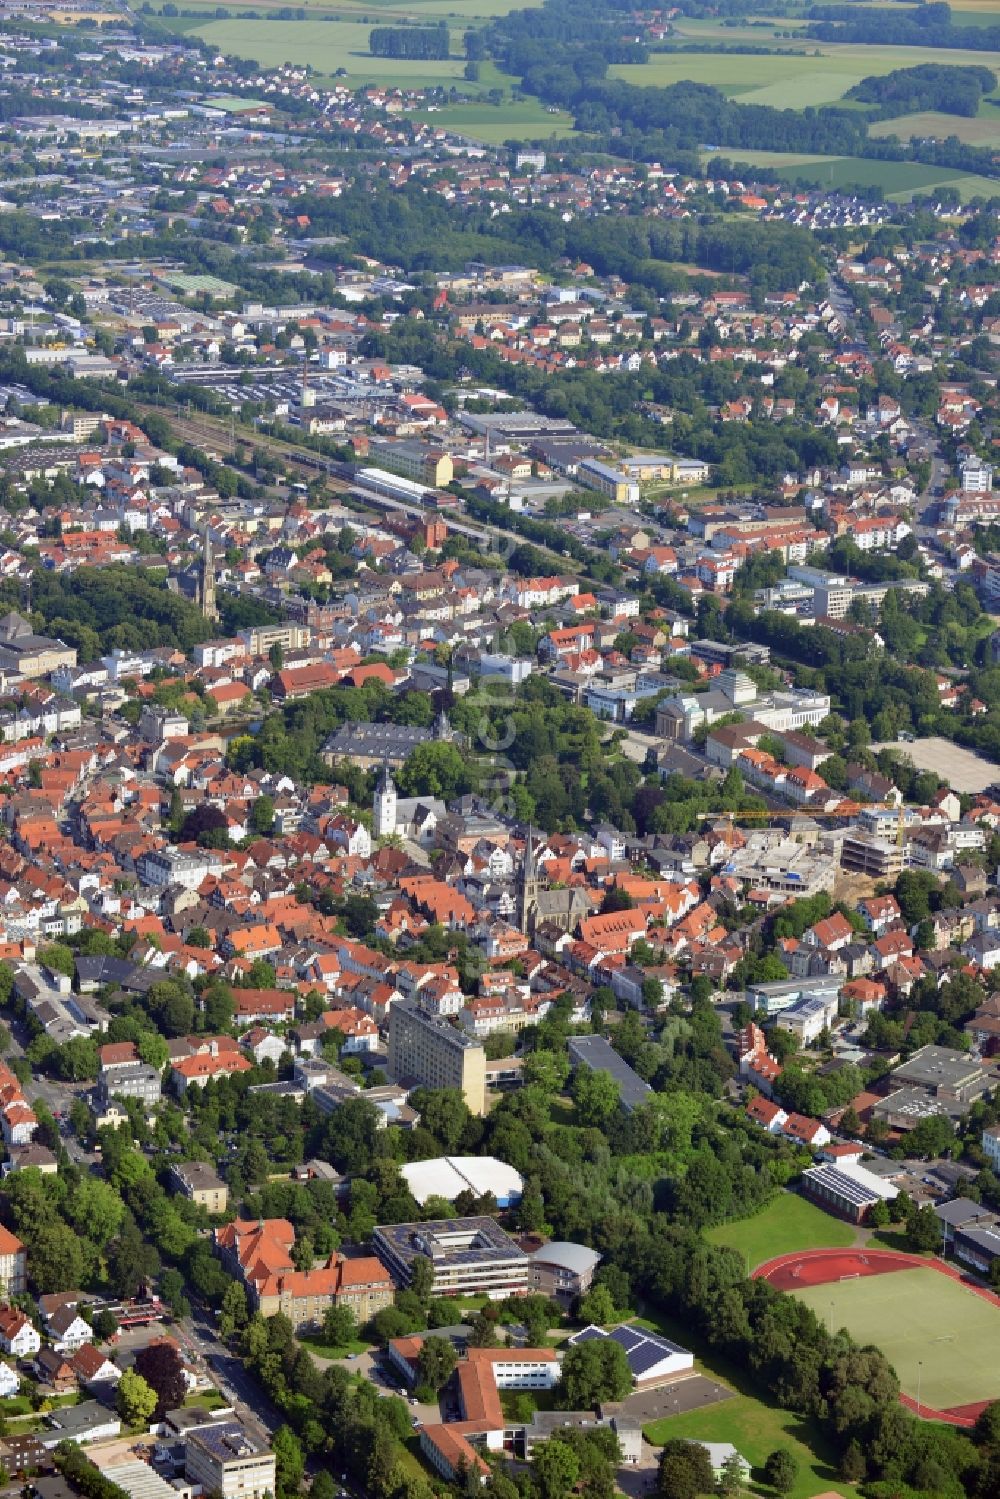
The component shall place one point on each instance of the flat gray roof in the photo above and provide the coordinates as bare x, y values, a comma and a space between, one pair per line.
595, 1052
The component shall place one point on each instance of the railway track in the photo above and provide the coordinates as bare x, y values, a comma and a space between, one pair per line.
216, 436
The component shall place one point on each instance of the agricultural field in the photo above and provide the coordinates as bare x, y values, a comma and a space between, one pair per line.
335, 33
521, 119
981, 130
934, 1331
898, 180
372, 12
329, 45
791, 79
786, 1225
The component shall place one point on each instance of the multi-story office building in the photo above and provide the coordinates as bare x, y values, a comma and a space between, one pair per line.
469, 1256
227, 1460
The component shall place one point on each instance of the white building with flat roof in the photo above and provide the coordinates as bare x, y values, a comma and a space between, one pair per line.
448, 1176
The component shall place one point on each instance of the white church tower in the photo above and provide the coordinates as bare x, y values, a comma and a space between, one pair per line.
384, 812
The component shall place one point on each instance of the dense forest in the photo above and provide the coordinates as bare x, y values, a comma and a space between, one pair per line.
956, 91
96, 610
419, 232
916, 26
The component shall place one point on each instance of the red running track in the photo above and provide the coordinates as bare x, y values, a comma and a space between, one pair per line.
819, 1267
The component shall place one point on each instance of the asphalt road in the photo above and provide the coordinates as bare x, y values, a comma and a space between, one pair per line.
243, 1392
58, 1097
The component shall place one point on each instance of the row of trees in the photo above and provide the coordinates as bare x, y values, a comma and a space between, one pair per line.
421, 42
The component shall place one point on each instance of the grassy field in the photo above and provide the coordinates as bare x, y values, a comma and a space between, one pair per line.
789, 80
327, 46
755, 1430
932, 1329
521, 119
787, 1224
897, 179
981, 130
373, 12
328, 1350
753, 1424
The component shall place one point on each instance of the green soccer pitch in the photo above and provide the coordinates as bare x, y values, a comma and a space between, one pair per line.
939, 1336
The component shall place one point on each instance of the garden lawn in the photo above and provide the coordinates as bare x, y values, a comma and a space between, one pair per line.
786, 1225
755, 1430
316, 1345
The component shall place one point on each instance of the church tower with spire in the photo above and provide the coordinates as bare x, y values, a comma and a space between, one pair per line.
209, 608
384, 810
529, 884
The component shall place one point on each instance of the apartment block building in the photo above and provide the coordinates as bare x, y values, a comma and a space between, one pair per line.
200, 1183
13, 1264
427, 1050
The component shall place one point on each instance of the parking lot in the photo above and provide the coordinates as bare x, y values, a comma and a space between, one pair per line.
962, 768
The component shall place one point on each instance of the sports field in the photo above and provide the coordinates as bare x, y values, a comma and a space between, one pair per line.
788, 1224
938, 1334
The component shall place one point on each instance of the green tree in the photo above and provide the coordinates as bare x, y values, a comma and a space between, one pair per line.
339, 1326
597, 1306
987, 1428
555, 1468
135, 1399
546, 1069
96, 1210
234, 1312
445, 1113
289, 1459
877, 1215
685, 1471
421, 1277
593, 1372
731, 1475
781, 1470
56, 1257
104, 1324
262, 815
435, 1362
923, 1229
436, 768
153, 1050
595, 1095
483, 1331
59, 958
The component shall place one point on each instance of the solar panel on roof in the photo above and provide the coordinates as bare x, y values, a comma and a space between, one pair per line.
588, 1335
628, 1337
644, 1358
